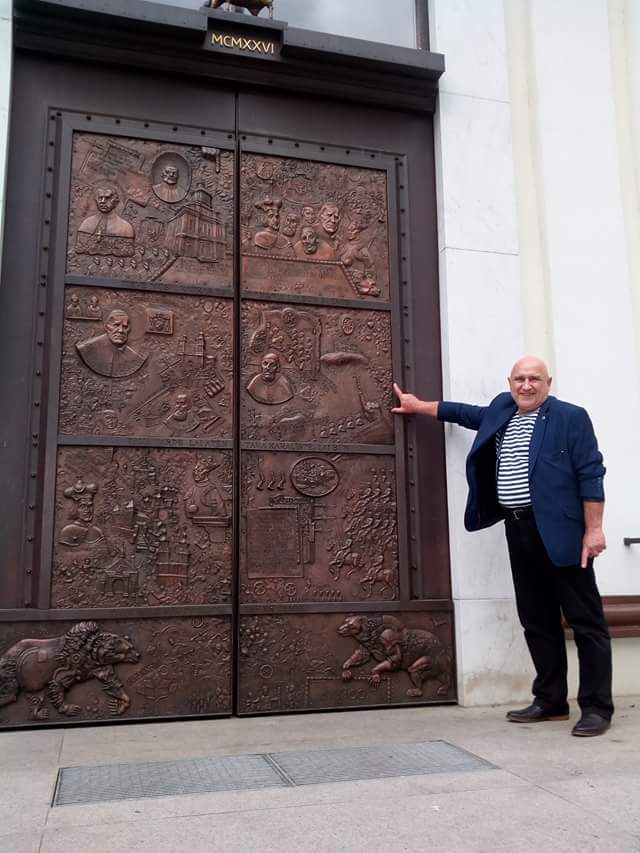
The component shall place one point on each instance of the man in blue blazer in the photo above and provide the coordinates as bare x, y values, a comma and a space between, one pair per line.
535, 465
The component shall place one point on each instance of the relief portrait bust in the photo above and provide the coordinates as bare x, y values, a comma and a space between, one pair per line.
171, 178
270, 386
109, 354
105, 232
80, 530
270, 237
311, 248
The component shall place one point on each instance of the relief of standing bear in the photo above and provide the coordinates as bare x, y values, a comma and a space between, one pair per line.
48, 668
395, 647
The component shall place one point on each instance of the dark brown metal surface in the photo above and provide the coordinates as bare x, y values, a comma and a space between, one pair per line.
331, 660
140, 364
215, 423
60, 671
316, 374
314, 229
144, 211
142, 527
318, 528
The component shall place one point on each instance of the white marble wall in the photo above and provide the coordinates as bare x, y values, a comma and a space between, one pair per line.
539, 202
482, 319
582, 118
5, 88
626, 654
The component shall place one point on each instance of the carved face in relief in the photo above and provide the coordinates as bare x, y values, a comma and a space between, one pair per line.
271, 209
353, 229
308, 215
182, 407
309, 239
84, 508
106, 199
82, 495
290, 224
270, 367
170, 175
109, 420
80, 531
273, 218
202, 469
117, 328
330, 218
170, 182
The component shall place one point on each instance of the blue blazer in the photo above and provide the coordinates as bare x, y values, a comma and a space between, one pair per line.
565, 469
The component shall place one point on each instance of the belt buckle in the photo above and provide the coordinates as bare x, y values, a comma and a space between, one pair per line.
516, 514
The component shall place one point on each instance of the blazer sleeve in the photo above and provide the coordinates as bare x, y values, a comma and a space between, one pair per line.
461, 413
586, 458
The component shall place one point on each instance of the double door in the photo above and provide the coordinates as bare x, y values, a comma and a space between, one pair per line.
224, 516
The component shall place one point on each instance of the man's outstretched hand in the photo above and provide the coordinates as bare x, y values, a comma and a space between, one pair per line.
411, 405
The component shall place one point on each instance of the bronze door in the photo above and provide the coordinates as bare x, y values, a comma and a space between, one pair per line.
126, 581
220, 513
327, 612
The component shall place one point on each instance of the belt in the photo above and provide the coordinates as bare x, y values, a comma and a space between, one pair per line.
519, 513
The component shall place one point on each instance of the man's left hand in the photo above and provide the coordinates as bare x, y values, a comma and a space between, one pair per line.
593, 544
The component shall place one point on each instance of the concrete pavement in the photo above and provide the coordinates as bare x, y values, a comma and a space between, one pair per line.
550, 791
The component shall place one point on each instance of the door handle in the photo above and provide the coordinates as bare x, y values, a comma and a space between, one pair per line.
631, 541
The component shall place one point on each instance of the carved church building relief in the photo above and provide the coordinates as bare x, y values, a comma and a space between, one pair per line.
145, 211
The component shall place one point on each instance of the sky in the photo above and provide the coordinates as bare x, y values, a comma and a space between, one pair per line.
388, 21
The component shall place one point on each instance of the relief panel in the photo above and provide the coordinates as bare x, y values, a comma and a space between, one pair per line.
328, 660
318, 527
146, 211
140, 364
55, 672
140, 526
316, 374
314, 229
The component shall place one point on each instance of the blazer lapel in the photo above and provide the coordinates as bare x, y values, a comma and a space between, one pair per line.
490, 426
538, 433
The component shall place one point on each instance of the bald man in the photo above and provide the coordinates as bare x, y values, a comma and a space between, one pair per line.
535, 465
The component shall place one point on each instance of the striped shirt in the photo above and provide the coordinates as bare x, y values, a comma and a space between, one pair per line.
512, 449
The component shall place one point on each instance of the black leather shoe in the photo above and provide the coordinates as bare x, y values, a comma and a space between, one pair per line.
590, 725
535, 714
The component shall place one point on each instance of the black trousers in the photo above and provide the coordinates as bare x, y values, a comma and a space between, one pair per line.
543, 591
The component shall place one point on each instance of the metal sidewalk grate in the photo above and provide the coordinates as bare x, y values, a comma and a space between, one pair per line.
164, 779
376, 762
110, 782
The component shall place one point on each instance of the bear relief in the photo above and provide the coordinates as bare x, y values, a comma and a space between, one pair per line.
48, 668
385, 639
